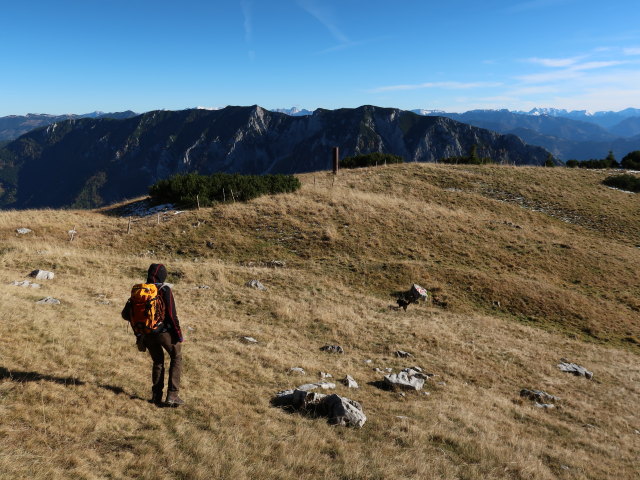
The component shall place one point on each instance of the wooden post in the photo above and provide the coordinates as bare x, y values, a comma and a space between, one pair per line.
72, 233
158, 218
336, 160
232, 195
198, 201
224, 196
129, 227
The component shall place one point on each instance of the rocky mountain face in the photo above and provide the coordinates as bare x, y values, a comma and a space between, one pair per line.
12, 126
90, 162
564, 136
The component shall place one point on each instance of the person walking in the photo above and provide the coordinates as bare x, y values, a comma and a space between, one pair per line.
168, 337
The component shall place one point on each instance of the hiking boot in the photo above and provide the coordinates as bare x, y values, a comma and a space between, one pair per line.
173, 400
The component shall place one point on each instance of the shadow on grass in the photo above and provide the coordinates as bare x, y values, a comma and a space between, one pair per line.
23, 377
381, 385
121, 391
17, 376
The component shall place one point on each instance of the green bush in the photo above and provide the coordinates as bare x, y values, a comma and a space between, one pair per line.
370, 160
627, 182
187, 189
631, 160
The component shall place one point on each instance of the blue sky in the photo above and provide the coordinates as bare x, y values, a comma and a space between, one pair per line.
77, 56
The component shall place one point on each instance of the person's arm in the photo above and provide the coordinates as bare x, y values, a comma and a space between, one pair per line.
126, 311
170, 314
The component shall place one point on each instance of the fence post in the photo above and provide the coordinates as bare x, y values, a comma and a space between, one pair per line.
129, 226
336, 160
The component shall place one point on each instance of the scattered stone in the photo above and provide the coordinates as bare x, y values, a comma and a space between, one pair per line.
332, 349
368, 361
403, 354
49, 300
23, 231
25, 283
442, 384
103, 302
379, 370
413, 295
577, 370
426, 394
388, 369
564, 467
350, 382
191, 329
402, 394
339, 410
255, 284
325, 375
312, 386
298, 370
545, 405
277, 264
203, 287
42, 275
588, 425
210, 244
402, 417
538, 396
248, 340
407, 379
637, 432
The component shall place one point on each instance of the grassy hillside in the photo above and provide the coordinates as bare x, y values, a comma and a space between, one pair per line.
526, 266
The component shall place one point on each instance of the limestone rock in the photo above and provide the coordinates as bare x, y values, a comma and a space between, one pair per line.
25, 283
402, 354
332, 349
248, 340
325, 375
350, 382
49, 300
255, 284
338, 410
42, 275
298, 370
407, 379
538, 396
23, 231
277, 264
307, 387
569, 367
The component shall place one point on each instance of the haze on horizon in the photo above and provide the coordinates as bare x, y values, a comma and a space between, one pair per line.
79, 56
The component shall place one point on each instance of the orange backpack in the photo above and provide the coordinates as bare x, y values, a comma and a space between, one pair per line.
147, 309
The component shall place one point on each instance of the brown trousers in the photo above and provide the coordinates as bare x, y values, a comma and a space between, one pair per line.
156, 344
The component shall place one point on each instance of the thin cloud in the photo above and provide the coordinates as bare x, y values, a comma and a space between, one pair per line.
248, 24
443, 85
631, 51
555, 62
325, 18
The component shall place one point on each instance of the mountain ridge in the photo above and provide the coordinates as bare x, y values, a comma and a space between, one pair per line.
87, 162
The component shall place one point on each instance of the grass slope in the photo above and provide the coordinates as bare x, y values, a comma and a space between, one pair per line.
527, 265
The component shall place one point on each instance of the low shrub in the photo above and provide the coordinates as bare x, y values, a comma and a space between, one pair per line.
187, 189
630, 183
370, 160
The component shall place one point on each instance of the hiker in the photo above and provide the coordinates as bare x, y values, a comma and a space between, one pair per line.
164, 334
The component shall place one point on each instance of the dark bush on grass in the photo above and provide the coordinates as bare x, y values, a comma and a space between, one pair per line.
187, 189
627, 182
370, 160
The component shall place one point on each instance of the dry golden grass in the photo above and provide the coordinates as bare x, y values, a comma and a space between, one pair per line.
73, 388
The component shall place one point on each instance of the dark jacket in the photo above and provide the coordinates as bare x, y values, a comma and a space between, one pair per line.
158, 274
